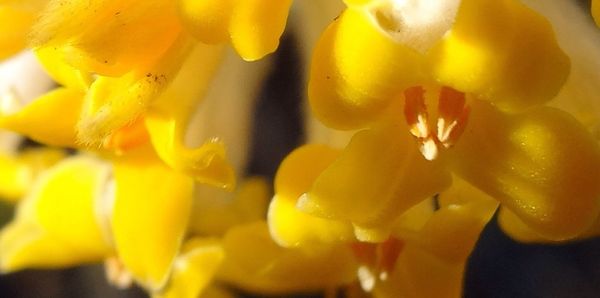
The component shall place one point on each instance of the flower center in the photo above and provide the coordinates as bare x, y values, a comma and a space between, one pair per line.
378, 260
450, 121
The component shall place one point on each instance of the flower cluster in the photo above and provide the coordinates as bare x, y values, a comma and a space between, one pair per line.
430, 117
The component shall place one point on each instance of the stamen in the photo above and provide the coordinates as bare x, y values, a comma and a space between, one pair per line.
452, 116
127, 137
378, 261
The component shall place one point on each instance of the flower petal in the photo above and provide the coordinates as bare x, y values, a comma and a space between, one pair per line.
256, 26
541, 164
108, 37
167, 121
150, 216
60, 71
207, 20
38, 119
56, 224
503, 52
288, 225
114, 102
596, 11
255, 263
13, 37
194, 269
378, 176
356, 70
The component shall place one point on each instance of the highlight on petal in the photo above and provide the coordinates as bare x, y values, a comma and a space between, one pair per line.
378, 176
357, 70
216, 210
38, 120
503, 52
207, 20
288, 225
150, 216
255, 263
108, 37
19, 172
540, 164
256, 26
56, 225
168, 118
193, 269
114, 102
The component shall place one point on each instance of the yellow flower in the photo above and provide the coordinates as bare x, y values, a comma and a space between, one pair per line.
425, 253
17, 17
468, 78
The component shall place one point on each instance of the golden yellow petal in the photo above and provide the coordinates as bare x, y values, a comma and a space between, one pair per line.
357, 70
150, 216
541, 164
256, 26
207, 20
501, 51
168, 118
379, 175
55, 65
39, 121
194, 269
113, 102
596, 11
109, 37
255, 263
14, 29
56, 225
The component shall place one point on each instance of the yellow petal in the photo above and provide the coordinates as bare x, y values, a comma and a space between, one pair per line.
57, 224
288, 225
207, 20
516, 229
194, 269
19, 172
541, 164
13, 32
113, 102
109, 37
150, 215
38, 120
356, 70
255, 263
216, 210
503, 52
378, 176
168, 118
60, 71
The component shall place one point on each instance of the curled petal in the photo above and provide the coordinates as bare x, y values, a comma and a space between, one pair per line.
56, 225
38, 120
114, 102
541, 164
378, 176
288, 225
356, 70
194, 269
255, 263
60, 71
150, 216
168, 118
503, 52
